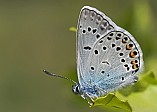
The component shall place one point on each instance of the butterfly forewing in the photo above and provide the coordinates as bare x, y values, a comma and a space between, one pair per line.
91, 26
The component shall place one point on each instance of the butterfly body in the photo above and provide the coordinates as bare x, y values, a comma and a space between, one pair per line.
108, 57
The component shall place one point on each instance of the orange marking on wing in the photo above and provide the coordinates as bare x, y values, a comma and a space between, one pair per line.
128, 47
132, 55
134, 66
133, 62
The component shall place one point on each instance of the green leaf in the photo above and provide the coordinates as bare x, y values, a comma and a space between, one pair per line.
73, 29
149, 78
144, 101
111, 103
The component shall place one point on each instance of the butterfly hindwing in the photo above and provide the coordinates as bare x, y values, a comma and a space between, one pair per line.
114, 61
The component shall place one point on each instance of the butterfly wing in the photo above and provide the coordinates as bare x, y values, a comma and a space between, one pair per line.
116, 59
107, 55
91, 26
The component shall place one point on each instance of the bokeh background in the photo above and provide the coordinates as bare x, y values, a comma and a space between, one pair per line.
34, 35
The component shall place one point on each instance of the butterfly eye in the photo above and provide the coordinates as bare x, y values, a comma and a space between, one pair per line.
76, 89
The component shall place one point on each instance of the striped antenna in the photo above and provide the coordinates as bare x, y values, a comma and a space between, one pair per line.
51, 74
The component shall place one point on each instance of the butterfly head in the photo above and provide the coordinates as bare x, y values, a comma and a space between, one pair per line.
76, 89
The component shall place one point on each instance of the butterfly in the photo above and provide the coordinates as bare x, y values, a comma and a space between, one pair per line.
108, 56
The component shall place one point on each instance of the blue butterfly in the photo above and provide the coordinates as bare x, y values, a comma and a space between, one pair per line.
108, 57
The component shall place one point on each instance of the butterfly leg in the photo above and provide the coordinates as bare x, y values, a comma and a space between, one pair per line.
88, 99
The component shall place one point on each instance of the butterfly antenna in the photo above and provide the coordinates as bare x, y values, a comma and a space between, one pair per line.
51, 74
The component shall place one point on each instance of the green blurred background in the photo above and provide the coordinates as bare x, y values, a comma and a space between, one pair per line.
34, 35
